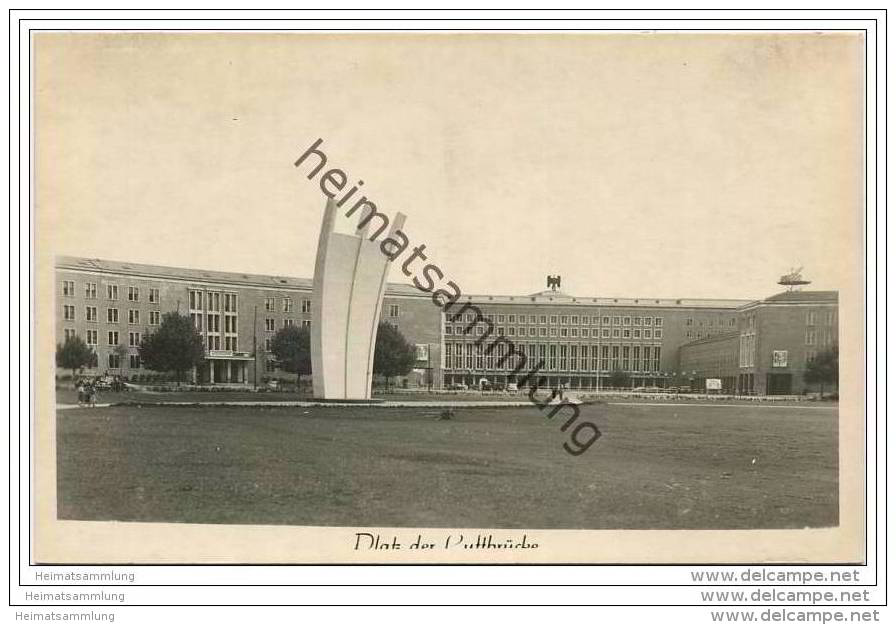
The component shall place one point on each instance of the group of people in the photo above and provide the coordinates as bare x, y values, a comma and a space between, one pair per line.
87, 394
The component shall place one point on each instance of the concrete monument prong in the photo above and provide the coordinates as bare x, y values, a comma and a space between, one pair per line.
350, 274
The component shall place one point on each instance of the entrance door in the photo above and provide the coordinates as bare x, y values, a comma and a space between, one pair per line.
779, 383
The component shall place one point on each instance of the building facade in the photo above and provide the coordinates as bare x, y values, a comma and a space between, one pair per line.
758, 347
113, 305
776, 338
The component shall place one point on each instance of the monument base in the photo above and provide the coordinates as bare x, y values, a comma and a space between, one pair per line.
331, 400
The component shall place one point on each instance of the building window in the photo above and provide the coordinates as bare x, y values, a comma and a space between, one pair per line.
133, 316
113, 337
133, 294
605, 333
289, 322
213, 301
134, 361
606, 321
616, 321
114, 361
615, 333
287, 304
553, 318
658, 321
153, 296
195, 300
92, 336
90, 313
269, 304
230, 302
810, 337
68, 288
532, 318
648, 334
306, 323
830, 318
112, 291
810, 356
450, 330
636, 333
112, 315
134, 339
511, 331
594, 332
626, 321
532, 331
306, 306
657, 334
626, 333
393, 310
154, 317
267, 344
511, 318
574, 332
564, 319
564, 332
810, 318
68, 313
269, 325
648, 320
90, 290
69, 334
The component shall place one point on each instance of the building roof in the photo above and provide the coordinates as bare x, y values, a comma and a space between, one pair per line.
203, 275
546, 297
804, 297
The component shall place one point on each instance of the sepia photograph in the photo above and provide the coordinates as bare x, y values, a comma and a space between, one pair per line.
526, 296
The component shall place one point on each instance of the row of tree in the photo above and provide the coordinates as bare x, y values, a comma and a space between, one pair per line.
178, 347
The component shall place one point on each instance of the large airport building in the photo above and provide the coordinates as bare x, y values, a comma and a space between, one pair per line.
754, 347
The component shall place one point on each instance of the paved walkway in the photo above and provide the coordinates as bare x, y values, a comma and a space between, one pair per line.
330, 404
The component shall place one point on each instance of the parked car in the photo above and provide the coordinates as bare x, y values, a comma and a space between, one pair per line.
273, 384
457, 386
512, 387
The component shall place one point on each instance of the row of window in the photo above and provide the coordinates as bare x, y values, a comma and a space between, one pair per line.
564, 320
112, 337
211, 301
270, 325
605, 333
90, 314
690, 322
819, 337
90, 291
557, 357
828, 318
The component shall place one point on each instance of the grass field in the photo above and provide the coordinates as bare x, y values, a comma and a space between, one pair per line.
655, 467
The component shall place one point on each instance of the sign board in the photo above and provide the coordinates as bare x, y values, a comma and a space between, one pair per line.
713, 384
422, 351
779, 358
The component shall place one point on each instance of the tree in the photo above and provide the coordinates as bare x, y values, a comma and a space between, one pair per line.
824, 369
74, 354
176, 346
292, 349
619, 379
393, 354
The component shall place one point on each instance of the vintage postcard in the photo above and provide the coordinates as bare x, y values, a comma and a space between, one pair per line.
449, 297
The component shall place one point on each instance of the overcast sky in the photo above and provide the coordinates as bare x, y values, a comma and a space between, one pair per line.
632, 165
